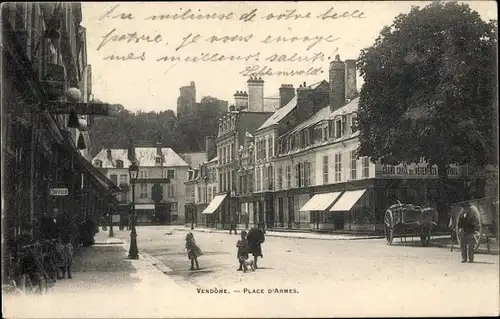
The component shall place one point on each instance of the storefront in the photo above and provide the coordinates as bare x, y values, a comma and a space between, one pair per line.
214, 212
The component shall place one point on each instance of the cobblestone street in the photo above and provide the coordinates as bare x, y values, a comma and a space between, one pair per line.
333, 278
323, 278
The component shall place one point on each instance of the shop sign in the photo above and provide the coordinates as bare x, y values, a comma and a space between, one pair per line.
58, 192
413, 170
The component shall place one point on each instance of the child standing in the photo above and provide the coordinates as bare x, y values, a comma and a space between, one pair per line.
65, 250
242, 254
193, 251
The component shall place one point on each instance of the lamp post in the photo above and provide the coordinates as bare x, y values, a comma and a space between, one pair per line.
111, 234
133, 252
192, 216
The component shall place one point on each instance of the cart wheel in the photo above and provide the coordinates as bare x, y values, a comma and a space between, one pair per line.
477, 234
388, 227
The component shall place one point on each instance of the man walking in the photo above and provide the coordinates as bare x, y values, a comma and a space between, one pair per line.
467, 226
232, 226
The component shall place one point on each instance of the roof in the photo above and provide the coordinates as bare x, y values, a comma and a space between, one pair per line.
194, 159
326, 114
145, 157
280, 114
271, 103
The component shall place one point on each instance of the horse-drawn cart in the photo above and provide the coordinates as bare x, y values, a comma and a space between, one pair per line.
405, 220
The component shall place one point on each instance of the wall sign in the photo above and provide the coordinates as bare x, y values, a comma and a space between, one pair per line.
413, 170
58, 192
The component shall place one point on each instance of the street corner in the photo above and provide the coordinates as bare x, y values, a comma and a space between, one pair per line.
154, 262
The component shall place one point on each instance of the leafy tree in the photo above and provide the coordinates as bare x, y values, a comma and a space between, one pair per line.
429, 90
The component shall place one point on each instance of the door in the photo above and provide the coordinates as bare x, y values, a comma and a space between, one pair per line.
280, 211
291, 215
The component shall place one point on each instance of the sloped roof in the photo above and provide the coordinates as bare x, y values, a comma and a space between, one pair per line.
145, 157
280, 114
194, 159
326, 114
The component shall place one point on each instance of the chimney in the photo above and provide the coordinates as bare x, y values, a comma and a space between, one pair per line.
109, 154
305, 103
158, 149
350, 80
337, 84
131, 152
240, 100
255, 94
210, 147
287, 92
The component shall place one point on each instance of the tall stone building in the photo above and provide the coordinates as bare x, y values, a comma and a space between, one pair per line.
187, 99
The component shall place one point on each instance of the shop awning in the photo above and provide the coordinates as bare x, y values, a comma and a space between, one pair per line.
144, 206
347, 201
320, 201
214, 204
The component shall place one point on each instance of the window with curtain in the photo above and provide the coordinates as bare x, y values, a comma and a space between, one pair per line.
280, 178
365, 167
307, 173
144, 191
338, 167
354, 162
338, 128
288, 176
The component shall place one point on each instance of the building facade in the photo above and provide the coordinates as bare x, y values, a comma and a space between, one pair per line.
308, 174
299, 169
160, 187
43, 57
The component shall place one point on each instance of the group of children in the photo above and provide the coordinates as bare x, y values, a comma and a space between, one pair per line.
249, 243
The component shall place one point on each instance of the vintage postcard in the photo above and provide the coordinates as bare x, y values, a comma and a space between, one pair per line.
237, 159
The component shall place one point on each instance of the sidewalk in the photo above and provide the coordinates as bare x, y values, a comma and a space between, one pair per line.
445, 242
287, 234
105, 284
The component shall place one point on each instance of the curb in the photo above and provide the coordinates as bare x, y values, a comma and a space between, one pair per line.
150, 260
287, 236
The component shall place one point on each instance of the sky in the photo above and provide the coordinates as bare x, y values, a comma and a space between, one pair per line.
140, 60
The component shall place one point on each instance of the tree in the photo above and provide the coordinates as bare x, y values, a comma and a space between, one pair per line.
429, 90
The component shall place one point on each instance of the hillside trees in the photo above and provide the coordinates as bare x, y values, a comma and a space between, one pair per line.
184, 134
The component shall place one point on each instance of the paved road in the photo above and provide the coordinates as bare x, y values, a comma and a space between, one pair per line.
330, 278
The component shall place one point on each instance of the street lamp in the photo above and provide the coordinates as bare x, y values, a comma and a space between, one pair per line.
133, 252
111, 233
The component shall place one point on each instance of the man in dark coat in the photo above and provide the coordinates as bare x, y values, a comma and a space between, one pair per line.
467, 226
49, 228
255, 238
232, 226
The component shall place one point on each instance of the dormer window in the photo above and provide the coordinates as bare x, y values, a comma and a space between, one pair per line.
98, 163
324, 132
353, 123
119, 164
338, 128
158, 159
